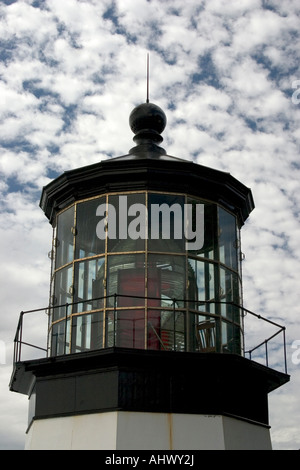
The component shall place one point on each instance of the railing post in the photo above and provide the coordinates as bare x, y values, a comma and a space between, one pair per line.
174, 325
21, 336
284, 350
266, 347
115, 308
16, 342
66, 321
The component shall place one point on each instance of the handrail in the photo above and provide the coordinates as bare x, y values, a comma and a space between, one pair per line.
18, 339
265, 342
19, 335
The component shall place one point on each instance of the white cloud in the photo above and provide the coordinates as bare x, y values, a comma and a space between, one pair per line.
24, 21
256, 29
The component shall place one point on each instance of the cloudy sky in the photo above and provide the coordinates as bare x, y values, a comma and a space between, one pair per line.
226, 74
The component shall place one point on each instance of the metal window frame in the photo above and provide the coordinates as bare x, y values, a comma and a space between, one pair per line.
106, 309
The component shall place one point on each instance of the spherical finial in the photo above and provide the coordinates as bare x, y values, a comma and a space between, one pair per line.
147, 116
147, 122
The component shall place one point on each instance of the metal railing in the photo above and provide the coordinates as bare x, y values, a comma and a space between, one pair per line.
265, 343
19, 341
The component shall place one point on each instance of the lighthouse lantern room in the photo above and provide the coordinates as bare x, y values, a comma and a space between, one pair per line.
146, 320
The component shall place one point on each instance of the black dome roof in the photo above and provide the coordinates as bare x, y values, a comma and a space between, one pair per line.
147, 116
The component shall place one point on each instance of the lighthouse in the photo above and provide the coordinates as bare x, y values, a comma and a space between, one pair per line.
146, 334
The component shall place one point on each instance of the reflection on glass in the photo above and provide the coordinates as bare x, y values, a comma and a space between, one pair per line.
110, 329
63, 291
60, 338
229, 292
228, 239
87, 241
65, 237
210, 229
166, 277
202, 285
166, 223
127, 214
126, 328
206, 334
87, 332
231, 338
126, 277
89, 284
166, 330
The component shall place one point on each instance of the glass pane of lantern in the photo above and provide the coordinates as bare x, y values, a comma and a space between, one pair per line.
87, 332
126, 277
206, 334
201, 285
88, 283
63, 292
130, 328
229, 294
60, 338
166, 223
228, 239
231, 338
166, 278
166, 330
65, 237
206, 230
89, 240
110, 328
126, 222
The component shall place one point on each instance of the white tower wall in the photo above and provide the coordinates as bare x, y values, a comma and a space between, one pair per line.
119, 430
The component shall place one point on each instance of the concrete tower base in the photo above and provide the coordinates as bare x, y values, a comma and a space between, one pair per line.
121, 430
122, 399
